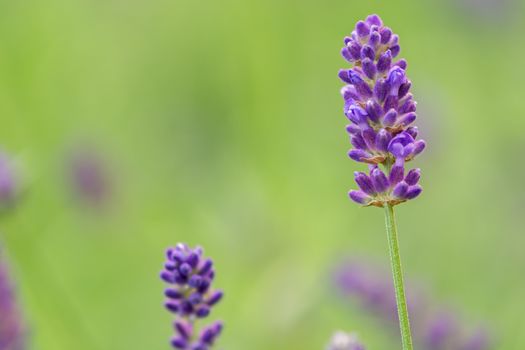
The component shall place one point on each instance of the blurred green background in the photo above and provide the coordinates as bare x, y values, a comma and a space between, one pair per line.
221, 124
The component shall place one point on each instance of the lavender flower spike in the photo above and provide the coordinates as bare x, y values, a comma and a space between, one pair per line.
190, 296
12, 335
344, 341
381, 110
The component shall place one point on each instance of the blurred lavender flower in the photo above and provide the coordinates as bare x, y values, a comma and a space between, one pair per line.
89, 176
8, 183
486, 10
190, 296
381, 110
478, 340
11, 328
433, 326
344, 341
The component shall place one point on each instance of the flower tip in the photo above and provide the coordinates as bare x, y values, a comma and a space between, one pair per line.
379, 180
358, 155
374, 19
408, 119
400, 190
386, 34
215, 297
413, 131
413, 192
402, 63
395, 50
166, 276
364, 183
397, 173
419, 146
184, 329
413, 176
179, 343
396, 76
344, 76
359, 197
362, 29
346, 54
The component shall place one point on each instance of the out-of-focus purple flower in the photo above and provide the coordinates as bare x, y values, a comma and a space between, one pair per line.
190, 296
344, 341
8, 182
89, 176
486, 11
12, 335
440, 331
434, 327
381, 110
479, 340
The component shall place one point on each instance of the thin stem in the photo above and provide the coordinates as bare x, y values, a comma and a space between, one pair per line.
397, 273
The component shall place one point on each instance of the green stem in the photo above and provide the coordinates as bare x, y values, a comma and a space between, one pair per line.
397, 273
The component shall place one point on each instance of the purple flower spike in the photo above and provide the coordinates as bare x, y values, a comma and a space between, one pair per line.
190, 297
378, 102
12, 333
